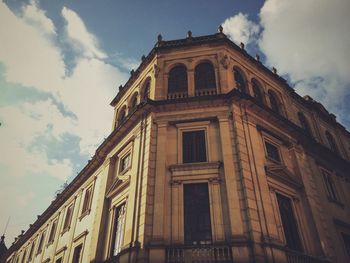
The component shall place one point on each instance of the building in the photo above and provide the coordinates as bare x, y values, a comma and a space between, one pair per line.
212, 158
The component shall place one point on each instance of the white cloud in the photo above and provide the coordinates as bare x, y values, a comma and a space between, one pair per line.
240, 29
306, 40
83, 41
30, 57
37, 17
309, 40
21, 125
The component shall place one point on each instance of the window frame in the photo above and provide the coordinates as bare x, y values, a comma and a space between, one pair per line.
206, 75
277, 146
51, 236
86, 210
330, 186
188, 127
66, 226
81, 253
113, 224
41, 242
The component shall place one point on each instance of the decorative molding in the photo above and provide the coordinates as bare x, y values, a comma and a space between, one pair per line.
61, 250
281, 173
84, 233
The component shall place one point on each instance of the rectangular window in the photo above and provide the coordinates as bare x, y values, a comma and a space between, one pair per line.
87, 201
31, 251
197, 214
272, 152
194, 147
68, 218
346, 239
53, 231
118, 229
59, 260
24, 256
77, 254
289, 223
41, 242
125, 163
330, 186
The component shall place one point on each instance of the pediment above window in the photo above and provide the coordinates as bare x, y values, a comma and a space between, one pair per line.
119, 184
281, 173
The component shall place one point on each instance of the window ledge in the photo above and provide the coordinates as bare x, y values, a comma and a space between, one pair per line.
194, 166
85, 213
190, 171
65, 230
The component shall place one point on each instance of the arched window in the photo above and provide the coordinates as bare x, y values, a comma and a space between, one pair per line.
204, 76
122, 115
133, 102
146, 90
274, 103
239, 80
303, 122
331, 142
257, 91
177, 81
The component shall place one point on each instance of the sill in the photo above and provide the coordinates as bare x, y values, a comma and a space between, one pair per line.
85, 213
194, 166
125, 170
49, 243
65, 230
336, 202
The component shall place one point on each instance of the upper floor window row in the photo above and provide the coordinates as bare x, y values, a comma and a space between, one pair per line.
204, 79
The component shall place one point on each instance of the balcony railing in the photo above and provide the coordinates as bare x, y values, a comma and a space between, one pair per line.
297, 257
199, 254
177, 95
205, 92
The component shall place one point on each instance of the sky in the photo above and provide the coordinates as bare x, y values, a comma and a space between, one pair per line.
61, 63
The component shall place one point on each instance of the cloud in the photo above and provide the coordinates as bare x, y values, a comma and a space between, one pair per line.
309, 41
306, 40
240, 29
83, 41
26, 51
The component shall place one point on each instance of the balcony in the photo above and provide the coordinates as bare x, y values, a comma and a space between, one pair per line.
199, 254
177, 95
298, 257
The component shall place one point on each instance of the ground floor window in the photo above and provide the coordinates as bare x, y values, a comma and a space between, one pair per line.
289, 223
118, 229
197, 214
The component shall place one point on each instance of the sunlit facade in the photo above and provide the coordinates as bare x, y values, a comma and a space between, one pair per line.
212, 158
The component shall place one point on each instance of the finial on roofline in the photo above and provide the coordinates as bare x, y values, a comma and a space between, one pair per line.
220, 29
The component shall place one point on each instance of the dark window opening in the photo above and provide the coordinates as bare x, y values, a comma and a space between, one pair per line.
331, 142
272, 152
53, 231
330, 186
31, 251
205, 76
87, 200
274, 102
133, 103
59, 260
177, 81
118, 229
346, 239
289, 223
24, 256
257, 92
194, 147
122, 116
41, 242
197, 214
303, 122
239, 80
146, 91
77, 254
125, 163
68, 218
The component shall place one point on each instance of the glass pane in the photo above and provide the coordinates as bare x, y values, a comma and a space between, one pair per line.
272, 152
197, 214
194, 147
205, 76
289, 223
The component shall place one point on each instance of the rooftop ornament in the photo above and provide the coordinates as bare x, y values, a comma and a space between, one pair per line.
120, 87
274, 70
242, 45
189, 34
257, 57
220, 29
143, 57
159, 38
132, 72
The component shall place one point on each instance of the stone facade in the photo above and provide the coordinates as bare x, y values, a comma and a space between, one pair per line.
274, 167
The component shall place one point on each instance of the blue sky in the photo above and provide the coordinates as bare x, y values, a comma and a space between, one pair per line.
61, 63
